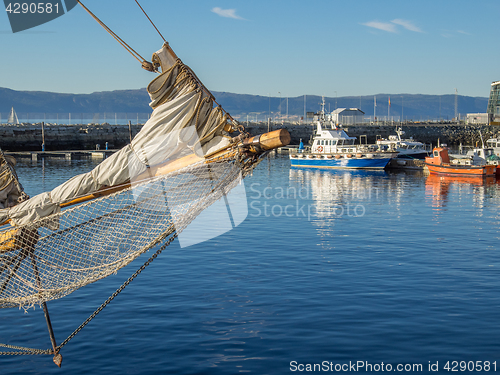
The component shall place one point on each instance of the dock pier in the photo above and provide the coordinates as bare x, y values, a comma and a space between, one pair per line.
68, 155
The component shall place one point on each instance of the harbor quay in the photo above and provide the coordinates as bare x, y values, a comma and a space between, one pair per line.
451, 134
29, 137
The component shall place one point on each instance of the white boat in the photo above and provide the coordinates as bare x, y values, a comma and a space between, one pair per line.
484, 155
478, 156
12, 117
407, 148
494, 144
333, 148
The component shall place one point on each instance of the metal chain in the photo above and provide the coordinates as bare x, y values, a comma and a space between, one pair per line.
30, 351
24, 351
123, 286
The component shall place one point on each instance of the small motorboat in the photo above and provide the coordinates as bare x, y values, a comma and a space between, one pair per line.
407, 148
439, 163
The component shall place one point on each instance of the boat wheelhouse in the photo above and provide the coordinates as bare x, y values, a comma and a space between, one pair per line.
494, 144
333, 148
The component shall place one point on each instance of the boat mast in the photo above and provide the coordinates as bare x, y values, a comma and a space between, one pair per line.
321, 117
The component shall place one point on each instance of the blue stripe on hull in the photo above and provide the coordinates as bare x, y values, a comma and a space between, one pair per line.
364, 163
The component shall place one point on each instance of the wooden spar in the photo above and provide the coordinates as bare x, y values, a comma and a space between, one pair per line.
256, 145
269, 141
99, 193
9, 240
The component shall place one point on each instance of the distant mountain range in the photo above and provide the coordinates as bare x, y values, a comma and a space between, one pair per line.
242, 106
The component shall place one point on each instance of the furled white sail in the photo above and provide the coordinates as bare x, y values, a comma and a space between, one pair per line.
183, 121
181, 162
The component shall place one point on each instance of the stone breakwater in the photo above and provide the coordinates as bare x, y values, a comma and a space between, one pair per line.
86, 137
451, 134
65, 137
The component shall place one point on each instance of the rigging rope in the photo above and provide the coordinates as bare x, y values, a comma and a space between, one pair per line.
90, 241
149, 66
145, 64
152, 23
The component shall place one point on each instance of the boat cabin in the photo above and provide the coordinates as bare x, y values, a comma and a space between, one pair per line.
494, 144
439, 156
333, 141
482, 153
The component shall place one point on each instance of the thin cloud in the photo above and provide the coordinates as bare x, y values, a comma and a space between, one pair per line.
453, 34
408, 25
228, 13
385, 26
392, 27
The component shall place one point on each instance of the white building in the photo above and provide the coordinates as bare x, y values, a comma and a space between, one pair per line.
477, 118
348, 116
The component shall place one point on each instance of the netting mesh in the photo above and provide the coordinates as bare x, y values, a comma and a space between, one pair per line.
47, 254
58, 254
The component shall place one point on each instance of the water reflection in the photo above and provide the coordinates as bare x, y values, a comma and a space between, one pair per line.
44, 174
338, 193
439, 188
342, 193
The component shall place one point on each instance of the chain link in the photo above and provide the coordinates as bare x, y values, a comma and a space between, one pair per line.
30, 351
24, 351
112, 297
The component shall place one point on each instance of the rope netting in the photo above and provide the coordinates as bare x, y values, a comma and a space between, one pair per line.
56, 255
108, 218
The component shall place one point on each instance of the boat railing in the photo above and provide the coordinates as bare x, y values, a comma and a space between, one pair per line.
428, 147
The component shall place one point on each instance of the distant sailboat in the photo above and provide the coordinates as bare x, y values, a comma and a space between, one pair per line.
12, 117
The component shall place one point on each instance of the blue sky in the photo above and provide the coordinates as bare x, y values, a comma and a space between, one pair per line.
272, 47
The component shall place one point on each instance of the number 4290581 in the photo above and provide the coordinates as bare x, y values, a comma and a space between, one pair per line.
23, 8
470, 366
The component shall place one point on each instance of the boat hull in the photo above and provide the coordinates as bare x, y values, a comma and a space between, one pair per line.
417, 155
451, 170
342, 163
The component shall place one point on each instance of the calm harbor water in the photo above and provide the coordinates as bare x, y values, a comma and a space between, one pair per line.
329, 268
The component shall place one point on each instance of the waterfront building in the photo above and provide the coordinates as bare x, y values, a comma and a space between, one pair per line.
494, 104
348, 116
478, 118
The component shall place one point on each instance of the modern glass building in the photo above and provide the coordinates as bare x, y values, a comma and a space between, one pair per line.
494, 103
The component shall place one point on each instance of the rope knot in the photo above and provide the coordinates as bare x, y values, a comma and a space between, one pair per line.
148, 66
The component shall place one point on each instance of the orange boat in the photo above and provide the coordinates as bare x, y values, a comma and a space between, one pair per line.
439, 163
